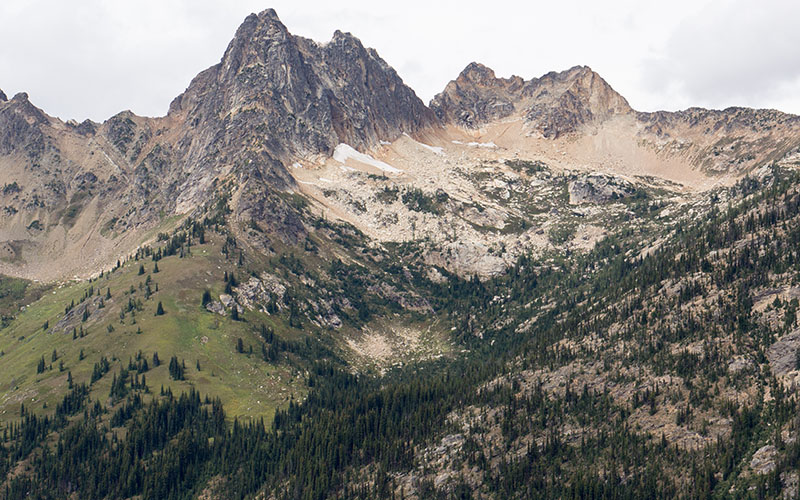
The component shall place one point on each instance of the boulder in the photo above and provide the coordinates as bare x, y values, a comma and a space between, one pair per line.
599, 189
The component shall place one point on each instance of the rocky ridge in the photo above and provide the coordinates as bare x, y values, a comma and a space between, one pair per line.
553, 105
280, 113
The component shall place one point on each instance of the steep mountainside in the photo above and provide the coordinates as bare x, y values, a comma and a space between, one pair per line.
272, 99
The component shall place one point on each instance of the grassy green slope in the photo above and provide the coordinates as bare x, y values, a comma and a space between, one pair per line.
247, 385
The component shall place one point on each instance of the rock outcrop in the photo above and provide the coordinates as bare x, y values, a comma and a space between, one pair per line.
599, 188
783, 354
292, 97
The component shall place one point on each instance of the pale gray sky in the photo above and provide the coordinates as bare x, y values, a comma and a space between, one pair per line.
94, 58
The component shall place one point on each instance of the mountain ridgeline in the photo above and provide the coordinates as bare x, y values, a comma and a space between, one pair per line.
276, 99
303, 282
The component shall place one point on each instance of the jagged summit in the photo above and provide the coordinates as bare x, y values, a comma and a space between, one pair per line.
3, 97
267, 13
315, 95
479, 74
555, 104
340, 35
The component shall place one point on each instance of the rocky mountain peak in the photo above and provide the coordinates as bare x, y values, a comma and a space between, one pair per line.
555, 104
268, 14
478, 74
3, 97
583, 82
261, 38
309, 96
22, 107
275, 98
477, 97
340, 36
561, 103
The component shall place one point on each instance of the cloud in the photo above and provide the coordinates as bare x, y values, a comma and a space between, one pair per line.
732, 53
94, 58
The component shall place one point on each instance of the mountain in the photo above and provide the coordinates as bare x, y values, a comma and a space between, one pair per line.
553, 105
303, 282
272, 99
80, 196
579, 102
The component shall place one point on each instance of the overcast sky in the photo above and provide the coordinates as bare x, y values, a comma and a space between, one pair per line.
94, 58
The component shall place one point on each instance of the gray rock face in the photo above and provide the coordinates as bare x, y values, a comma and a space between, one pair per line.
215, 307
258, 292
563, 102
74, 317
3, 97
293, 97
782, 355
553, 105
763, 461
598, 189
20, 123
477, 97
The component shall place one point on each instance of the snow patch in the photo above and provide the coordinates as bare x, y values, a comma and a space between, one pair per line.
487, 145
345, 168
323, 179
436, 149
385, 143
343, 152
296, 165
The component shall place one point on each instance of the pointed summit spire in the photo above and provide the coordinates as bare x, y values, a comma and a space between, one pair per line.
257, 39
269, 14
477, 73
